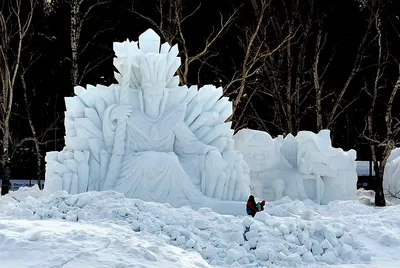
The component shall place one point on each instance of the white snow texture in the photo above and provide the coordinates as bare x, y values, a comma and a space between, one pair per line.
147, 137
391, 175
301, 167
104, 229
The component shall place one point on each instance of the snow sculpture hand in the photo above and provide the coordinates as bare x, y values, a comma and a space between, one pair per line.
217, 159
121, 112
213, 186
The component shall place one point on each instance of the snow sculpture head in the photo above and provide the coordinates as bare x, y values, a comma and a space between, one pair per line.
318, 148
149, 67
148, 137
259, 150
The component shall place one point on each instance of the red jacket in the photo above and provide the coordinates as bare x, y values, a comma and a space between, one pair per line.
251, 206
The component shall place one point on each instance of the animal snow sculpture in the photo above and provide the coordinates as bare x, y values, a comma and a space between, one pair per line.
391, 175
301, 167
148, 137
332, 168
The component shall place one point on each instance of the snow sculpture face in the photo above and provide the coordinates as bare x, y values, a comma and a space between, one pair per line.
152, 100
259, 150
152, 73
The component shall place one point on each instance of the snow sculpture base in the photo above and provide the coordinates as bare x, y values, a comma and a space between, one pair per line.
391, 175
301, 167
148, 137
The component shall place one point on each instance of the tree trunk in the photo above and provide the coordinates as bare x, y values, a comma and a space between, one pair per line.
5, 160
317, 86
379, 196
289, 86
74, 35
34, 135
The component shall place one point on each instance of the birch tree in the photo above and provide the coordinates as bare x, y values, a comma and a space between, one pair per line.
80, 12
382, 129
266, 42
15, 26
327, 117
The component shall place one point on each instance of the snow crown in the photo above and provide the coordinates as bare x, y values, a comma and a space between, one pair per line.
146, 64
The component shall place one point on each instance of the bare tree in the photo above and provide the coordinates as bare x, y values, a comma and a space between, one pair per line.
382, 140
258, 53
32, 127
80, 12
170, 25
15, 25
339, 106
278, 67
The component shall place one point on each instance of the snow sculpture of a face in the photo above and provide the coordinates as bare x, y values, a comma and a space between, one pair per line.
259, 150
147, 137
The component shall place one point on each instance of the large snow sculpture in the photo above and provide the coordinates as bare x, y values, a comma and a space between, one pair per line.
148, 137
391, 175
301, 167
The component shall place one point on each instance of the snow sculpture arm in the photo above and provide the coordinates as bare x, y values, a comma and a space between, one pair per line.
212, 176
187, 143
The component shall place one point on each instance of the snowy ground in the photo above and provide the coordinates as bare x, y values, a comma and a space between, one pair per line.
107, 230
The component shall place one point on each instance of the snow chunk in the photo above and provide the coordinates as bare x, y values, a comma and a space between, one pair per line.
317, 249
328, 257
237, 237
61, 194
247, 221
149, 255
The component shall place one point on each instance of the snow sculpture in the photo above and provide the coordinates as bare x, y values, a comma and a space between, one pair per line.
301, 167
148, 137
391, 175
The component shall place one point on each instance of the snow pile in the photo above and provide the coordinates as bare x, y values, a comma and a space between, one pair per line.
288, 234
27, 243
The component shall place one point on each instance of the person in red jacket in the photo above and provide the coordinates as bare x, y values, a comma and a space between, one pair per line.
251, 206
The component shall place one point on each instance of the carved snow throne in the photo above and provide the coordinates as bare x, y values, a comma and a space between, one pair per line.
148, 137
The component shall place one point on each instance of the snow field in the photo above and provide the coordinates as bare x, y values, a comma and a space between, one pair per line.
33, 243
289, 234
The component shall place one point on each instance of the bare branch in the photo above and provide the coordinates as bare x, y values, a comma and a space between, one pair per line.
93, 65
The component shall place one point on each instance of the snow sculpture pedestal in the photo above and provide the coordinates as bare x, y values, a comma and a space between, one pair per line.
148, 137
301, 167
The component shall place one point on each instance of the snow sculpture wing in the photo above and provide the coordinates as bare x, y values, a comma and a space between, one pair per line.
205, 115
94, 148
83, 163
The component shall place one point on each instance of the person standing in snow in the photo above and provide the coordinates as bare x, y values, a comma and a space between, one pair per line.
251, 206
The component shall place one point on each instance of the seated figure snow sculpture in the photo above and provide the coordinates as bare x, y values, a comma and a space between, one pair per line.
148, 137
301, 167
391, 175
